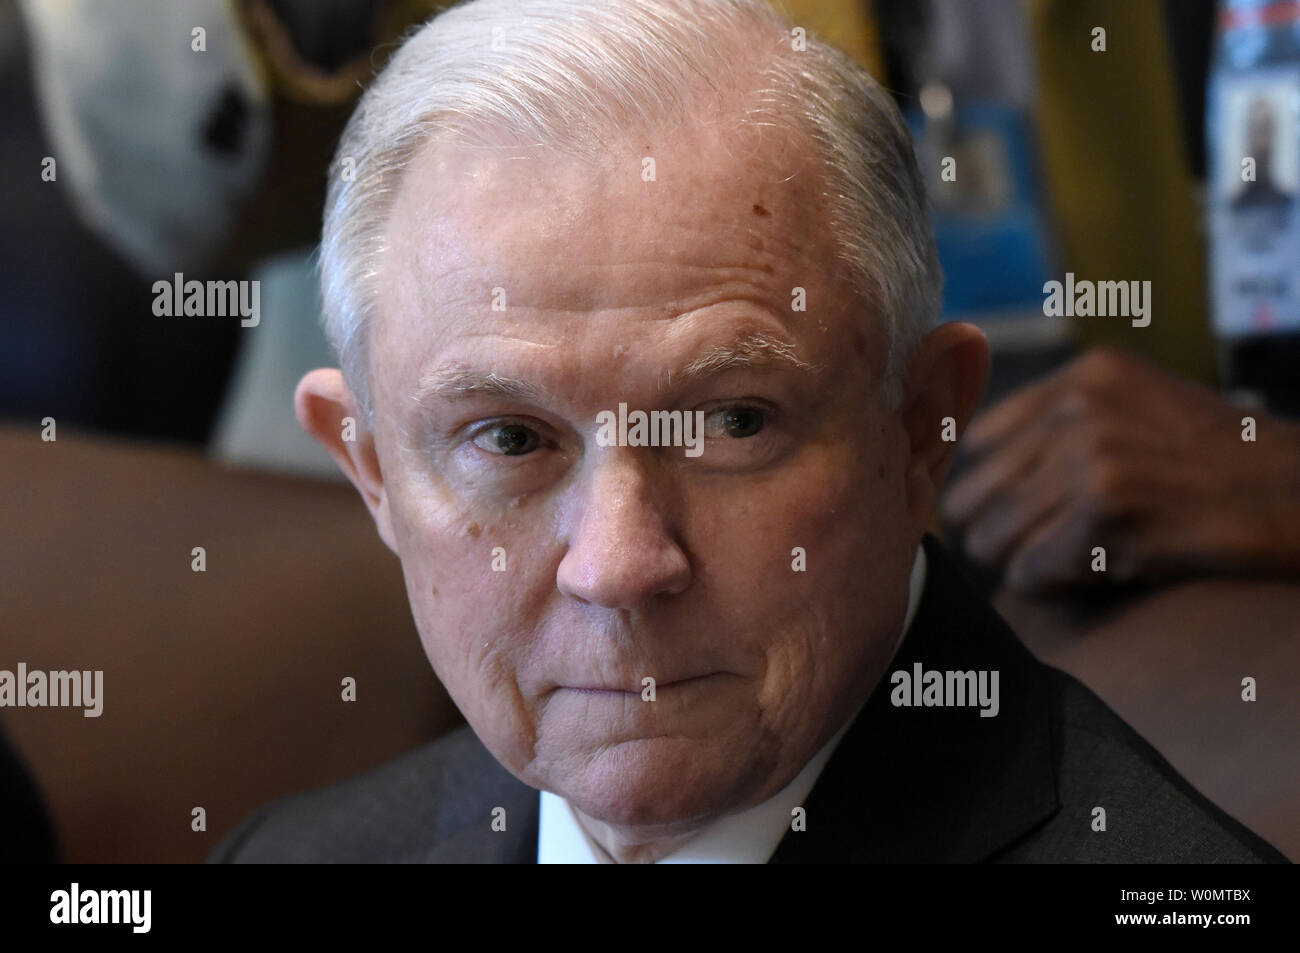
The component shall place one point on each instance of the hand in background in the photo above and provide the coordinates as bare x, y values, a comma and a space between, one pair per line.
1110, 451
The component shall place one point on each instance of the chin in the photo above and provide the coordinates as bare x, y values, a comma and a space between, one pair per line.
656, 784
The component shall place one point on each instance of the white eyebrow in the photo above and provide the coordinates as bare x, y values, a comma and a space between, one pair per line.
753, 349
460, 381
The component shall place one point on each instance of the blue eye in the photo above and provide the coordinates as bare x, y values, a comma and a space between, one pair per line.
510, 440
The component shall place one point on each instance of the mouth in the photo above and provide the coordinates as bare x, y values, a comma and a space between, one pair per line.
618, 690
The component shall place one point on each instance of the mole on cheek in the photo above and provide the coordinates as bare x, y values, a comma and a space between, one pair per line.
760, 211
473, 530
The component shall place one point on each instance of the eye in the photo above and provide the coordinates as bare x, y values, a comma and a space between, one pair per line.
510, 440
737, 422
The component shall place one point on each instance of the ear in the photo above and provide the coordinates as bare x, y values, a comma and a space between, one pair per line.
322, 402
945, 384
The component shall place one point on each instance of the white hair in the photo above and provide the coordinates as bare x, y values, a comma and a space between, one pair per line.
577, 75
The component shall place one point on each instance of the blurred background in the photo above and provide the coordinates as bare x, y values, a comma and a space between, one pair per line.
1099, 138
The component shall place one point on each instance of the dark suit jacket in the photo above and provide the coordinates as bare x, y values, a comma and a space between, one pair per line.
905, 784
26, 832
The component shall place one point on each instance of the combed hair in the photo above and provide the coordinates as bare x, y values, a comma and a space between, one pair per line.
577, 75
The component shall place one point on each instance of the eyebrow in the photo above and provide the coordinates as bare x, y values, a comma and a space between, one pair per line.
459, 381
753, 349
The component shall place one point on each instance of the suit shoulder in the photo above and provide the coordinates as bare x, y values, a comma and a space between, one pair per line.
1153, 814
391, 814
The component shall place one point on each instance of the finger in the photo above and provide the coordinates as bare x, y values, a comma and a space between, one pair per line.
1012, 515
1001, 470
1085, 542
1013, 413
1054, 556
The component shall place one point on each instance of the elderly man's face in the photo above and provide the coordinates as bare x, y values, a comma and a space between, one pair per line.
521, 296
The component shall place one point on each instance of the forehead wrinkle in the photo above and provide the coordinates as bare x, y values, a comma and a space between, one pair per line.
514, 339
481, 261
753, 349
455, 228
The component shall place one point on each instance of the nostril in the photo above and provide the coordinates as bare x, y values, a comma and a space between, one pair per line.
223, 133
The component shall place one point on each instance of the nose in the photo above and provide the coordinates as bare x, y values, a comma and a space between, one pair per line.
621, 551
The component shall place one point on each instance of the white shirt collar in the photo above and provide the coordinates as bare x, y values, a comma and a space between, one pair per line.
750, 837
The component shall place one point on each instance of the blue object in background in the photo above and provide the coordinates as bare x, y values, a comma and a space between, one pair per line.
989, 228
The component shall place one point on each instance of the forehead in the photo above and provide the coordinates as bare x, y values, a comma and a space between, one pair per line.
688, 225
694, 198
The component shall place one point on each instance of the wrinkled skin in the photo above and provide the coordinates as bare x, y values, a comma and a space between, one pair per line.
630, 562
1113, 452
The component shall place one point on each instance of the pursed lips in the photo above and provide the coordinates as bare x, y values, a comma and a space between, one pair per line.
659, 686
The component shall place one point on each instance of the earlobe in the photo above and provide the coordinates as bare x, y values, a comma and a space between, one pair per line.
946, 382
327, 410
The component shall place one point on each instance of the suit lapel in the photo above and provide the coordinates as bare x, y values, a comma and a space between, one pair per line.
917, 784
476, 842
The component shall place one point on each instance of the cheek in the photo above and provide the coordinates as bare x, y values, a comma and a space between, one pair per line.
476, 587
808, 536
811, 568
